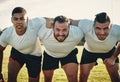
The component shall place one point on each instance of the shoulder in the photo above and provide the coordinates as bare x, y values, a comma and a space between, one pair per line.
76, 30
115, 29
6, 32
36, 23
86, 25
115, 26
85, 22
38, 20
6, 35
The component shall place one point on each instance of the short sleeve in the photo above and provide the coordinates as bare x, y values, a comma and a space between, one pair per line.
85, 25
4, 37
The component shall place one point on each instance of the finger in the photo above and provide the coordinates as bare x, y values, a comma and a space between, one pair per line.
112, 63
105, 61
1, 80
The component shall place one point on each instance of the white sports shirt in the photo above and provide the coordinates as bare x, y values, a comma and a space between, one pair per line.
60, 49
93, 44
29, 42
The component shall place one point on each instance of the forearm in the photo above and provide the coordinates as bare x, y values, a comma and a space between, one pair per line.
117, 51
49, 22
1, 58
74, 22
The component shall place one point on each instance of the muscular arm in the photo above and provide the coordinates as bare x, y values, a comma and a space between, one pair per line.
111, 61
117, 51
74, 22
1, 58
49, 22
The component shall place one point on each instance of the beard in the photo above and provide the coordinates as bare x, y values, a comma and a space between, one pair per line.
60, 38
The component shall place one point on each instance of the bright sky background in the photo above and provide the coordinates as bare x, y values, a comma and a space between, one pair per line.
76, 9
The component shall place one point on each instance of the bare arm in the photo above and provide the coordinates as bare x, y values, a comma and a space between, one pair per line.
49, 22
117, 51
111, 60
74, 22
1, 58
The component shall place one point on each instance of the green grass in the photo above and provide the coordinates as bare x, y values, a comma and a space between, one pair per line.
98, 73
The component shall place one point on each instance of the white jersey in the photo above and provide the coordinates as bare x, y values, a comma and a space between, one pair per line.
29, 42
60, 49
93, 44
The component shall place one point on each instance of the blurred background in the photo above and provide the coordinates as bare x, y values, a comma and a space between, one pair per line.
76, 9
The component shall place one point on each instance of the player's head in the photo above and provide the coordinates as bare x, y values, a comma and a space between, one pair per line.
102, 25
19, 18
61, 28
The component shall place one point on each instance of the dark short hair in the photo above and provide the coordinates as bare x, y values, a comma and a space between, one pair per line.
61, 19
18, 10
102, 18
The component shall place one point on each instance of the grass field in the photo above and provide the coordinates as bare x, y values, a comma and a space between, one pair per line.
98, 73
